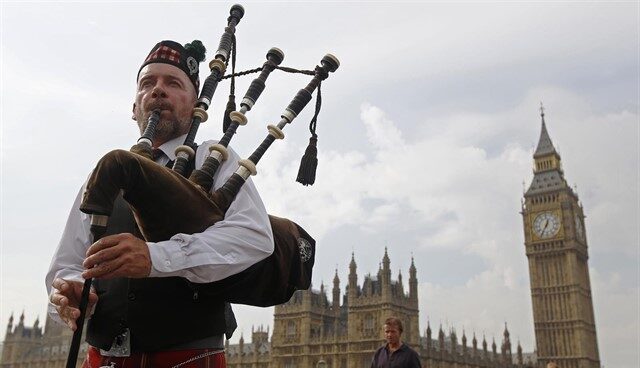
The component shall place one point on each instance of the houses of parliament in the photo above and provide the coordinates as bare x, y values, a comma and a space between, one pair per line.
312, 330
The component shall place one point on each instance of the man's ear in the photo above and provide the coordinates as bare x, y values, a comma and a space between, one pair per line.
133, 111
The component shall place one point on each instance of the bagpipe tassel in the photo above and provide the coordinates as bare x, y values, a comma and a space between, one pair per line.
309, 163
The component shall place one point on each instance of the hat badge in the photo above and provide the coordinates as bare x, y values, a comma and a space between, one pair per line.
192, 64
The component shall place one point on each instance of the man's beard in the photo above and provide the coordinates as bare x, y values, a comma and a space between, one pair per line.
166, 129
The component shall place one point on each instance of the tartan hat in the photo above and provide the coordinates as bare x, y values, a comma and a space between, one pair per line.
187, 58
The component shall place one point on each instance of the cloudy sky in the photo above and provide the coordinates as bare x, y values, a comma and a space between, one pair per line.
426, 137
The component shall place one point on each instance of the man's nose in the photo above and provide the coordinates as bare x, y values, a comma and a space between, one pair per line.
158, 92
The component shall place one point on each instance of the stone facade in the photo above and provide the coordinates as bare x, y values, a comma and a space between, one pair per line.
312, 331
556, 246
30, 347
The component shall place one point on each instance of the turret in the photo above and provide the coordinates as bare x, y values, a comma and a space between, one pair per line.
520, 358
454, 341
353, 277
506, 345
253, 340
400, 286
10, 324
385, 276
37, 331
464, 343
494, 349
441, 339
386, 262
428, 336
413, 282
484, 347
323, 295
474, 345
336, 294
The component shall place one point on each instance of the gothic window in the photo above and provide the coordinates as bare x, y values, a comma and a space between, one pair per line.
369, 325
291, 329
315, 331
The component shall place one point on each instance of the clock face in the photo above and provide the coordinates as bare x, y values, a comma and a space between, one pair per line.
579, 228
546, 225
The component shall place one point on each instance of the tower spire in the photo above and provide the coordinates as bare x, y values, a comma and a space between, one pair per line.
413, 282
353, 278
385, 260
336, 293
10, 324
545, 146
352, 264
548, 175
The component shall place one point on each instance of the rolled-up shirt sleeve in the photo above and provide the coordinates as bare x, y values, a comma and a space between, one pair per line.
241, 239
66, 262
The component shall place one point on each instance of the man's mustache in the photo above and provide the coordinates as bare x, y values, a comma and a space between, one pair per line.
159, 106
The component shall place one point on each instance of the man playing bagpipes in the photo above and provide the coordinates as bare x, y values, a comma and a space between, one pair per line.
148, 310
164, 301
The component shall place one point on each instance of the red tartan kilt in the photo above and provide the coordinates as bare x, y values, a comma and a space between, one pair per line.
160, 359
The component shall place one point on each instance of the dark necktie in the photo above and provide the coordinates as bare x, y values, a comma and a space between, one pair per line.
158, 154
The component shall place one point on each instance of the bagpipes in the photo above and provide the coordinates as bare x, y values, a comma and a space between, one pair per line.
142, 183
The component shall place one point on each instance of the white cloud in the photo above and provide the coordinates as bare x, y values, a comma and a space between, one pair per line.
467, 200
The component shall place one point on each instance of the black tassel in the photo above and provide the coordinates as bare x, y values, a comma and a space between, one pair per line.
309, 163
231, 106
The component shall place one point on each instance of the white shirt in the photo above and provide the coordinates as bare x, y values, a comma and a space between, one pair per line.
231, 245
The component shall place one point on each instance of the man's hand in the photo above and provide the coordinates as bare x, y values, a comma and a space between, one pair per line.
119, 255
66, 298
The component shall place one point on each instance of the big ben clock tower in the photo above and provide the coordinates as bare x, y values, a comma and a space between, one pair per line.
556, 246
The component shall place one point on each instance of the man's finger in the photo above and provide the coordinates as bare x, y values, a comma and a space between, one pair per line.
72, 324
93, 298
59, 300
119, 271
69, 313
98, 246
60, 284
104, 269
101, 256
106, 242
